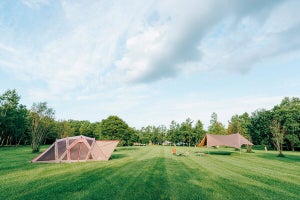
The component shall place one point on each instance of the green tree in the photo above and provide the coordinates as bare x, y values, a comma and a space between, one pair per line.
13, 124
234, 125
293, 140
278, 135
144, 135
42, 119
187, 132
63, 129
161, 133
215, 126
87, 128
115, 128
75, 126
259, 127
199, 132
239, 124
287, 113
174, 132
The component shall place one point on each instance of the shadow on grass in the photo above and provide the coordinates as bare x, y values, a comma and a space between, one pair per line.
222, 153
117, 156
287, 157
126, 148
215, 152
153, 178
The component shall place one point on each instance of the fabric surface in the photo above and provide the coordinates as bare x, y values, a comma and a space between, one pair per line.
234, 140
77, 148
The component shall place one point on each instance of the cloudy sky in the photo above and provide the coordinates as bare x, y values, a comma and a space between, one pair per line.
150, 62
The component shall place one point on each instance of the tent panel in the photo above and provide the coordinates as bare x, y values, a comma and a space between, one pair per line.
98, 153
202, 143
65, 157
74, 151
49, 155
223, 140
233, 140
71, 141
107, 147
90, 141
61, 147
77, 148
83, 152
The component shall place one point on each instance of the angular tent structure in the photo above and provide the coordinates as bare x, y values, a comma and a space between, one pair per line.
233, 140
76, 149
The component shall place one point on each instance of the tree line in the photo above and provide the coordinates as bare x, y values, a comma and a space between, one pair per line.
278, 127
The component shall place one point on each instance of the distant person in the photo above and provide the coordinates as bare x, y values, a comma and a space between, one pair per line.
174, 151
266, 148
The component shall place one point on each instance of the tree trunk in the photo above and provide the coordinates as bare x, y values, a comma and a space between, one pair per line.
1, 138
18, 143
249, 148
35, 147
293, 147
2, 141
7, 141
280, 151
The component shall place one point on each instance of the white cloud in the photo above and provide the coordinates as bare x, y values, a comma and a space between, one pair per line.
236, 37
35, 4
107, 42
99, 52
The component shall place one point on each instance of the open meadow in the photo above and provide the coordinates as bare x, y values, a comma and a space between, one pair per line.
152, 172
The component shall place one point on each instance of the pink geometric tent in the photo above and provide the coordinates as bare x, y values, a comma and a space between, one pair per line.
78, 149
233, 140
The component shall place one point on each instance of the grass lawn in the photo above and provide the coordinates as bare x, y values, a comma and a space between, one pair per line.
152, 172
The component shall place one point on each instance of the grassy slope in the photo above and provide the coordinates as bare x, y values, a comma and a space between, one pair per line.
152, 173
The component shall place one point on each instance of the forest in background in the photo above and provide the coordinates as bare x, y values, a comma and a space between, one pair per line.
278, 127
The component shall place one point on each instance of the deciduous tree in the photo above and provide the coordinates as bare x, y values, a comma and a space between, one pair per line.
278, 135
12, 118
114, 127
42, 119
215, 126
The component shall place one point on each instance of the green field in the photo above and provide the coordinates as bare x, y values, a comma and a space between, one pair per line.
152, 172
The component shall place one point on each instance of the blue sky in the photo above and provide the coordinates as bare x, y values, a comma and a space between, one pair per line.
150, 62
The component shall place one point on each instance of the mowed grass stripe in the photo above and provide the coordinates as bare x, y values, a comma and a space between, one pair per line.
222, 167
152, 172
258, 167
188, 180
248, 173
245, 180
220, 180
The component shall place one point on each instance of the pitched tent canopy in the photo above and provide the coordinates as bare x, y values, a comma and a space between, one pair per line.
233, 140
78, 148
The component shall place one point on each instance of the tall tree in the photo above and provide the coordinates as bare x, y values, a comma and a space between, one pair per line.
234, 125
199, 131
215, 126
259, 127
87, 128
12, 118
174, 132
42, 119
287, 113
239, 124
115, 128
187, 132
144, 135
278, 135
63, 129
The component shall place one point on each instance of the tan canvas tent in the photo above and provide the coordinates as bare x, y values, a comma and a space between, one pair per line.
233, 140
78, 148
